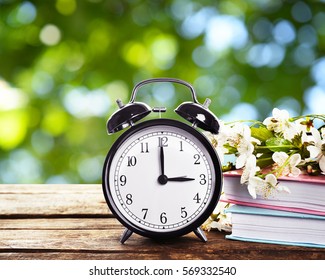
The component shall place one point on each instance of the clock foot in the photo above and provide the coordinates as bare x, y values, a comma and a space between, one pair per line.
125, 236
200, 234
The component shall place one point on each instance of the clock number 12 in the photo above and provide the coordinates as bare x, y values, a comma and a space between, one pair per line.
162, 141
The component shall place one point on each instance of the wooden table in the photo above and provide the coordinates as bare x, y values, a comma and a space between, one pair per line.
73, 222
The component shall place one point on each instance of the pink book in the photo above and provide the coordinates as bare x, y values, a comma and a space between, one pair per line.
307, 194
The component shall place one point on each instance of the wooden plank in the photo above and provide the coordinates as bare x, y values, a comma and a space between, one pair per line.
275, 254
49, 189
58, 224
99, 239
54, 222
52, 200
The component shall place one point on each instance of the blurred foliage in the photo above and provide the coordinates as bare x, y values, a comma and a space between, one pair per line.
64, 63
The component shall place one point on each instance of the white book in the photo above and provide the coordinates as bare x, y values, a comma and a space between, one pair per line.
307, 194
280, 227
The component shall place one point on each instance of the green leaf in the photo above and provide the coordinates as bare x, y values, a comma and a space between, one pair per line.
264, 162
279, 144
261, 133
231, 149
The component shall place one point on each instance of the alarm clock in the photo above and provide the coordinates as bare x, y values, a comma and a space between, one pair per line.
162, 178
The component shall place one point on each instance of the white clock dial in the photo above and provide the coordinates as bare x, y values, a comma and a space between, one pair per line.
161, 178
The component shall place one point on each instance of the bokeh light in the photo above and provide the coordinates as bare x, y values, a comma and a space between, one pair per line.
50, 35
65, 62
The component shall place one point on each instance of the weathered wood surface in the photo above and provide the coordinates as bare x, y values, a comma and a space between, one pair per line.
73, 222
51, 200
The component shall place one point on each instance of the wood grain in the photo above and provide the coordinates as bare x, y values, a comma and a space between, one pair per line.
73, 222
52, 200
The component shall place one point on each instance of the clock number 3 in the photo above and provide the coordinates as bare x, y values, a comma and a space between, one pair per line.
203, 180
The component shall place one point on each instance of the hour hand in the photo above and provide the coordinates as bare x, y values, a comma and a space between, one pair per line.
180, 179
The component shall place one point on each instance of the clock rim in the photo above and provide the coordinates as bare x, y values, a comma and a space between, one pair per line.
202, 217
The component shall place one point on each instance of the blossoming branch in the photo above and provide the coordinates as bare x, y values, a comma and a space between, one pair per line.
279, 146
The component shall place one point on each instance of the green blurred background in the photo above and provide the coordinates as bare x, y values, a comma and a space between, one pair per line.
64, 63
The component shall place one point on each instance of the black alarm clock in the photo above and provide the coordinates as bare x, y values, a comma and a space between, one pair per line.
162, 178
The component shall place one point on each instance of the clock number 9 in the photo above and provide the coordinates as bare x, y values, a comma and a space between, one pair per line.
122, 180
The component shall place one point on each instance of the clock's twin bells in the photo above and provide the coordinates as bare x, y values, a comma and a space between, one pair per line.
193, 111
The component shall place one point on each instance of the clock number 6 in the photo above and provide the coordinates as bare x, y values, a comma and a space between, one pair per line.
163, 218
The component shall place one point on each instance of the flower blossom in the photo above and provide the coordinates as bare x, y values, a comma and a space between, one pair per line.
219, 219
317, 151
287, 164
239, 137
218, 140
268, 186
249, 170
279, 123
245, 149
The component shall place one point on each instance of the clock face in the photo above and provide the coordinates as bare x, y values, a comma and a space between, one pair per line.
162, 176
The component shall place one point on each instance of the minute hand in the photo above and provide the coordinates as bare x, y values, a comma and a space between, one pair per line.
180, 179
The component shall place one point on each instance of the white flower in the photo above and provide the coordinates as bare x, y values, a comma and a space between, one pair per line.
239, 137
287, 164
241, 131
268, 186
249, 170
223, 222
317, 151
279, 123
218, 141
245, 150
236, 133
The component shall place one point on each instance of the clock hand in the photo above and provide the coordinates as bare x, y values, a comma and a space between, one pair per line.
162, 161
162, 179
180, 179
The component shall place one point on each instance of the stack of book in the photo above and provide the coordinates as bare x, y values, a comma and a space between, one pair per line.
297, 218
